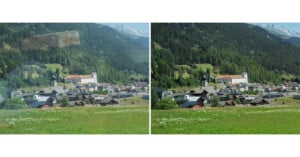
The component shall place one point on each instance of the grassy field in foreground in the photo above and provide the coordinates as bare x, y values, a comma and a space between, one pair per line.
131, 119
284, 119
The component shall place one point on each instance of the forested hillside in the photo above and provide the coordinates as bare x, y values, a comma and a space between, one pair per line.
113, 55
229, 47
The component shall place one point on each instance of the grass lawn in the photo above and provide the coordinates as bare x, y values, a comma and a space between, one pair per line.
53, 67
282, 119
202, 67
205, 66
130, 119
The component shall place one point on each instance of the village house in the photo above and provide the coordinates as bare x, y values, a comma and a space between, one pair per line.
162, 93
233, 79
259, 101
82, 79
296, 96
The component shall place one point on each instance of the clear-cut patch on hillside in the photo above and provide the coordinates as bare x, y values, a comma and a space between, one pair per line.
52, 40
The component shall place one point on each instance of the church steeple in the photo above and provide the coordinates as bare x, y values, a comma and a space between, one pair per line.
94, 75
245, 75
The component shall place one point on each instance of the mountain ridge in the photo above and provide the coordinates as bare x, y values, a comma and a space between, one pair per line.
286, 34
280, 30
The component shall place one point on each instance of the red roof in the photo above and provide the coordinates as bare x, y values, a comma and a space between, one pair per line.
229, 77
79, 77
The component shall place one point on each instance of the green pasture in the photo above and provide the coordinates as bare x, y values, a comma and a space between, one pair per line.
283, 118
121, 119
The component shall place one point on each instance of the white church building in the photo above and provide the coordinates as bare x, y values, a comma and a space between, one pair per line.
233, 79
82, 79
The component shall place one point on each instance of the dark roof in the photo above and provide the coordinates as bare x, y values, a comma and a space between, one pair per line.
72, 91
236, 93
221, 93
188, 104
37, 104
84, 92
205, 91
259, 100
146, 97
296, 97
195, 94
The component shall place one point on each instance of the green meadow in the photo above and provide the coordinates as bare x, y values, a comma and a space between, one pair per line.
283, 118
119, 119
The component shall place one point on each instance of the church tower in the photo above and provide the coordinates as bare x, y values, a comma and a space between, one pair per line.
245, 76
94, 76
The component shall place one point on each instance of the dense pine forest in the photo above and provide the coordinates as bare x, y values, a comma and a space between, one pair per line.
114, 56
229, 47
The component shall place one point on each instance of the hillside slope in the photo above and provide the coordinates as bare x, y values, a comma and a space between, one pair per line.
231, 47
79, 47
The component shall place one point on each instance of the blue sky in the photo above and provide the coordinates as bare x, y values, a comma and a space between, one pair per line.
290, 26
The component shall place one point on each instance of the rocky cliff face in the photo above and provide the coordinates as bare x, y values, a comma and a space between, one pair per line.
53, 40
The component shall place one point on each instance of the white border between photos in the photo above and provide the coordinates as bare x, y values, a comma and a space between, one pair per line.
150, 88
150, 11
149, 146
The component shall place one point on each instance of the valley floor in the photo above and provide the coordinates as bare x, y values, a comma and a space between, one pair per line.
279, 119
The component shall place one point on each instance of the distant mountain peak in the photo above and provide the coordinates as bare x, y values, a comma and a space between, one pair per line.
128, 30
281, 31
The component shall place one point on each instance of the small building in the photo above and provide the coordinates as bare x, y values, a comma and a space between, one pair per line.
41, 98
296, 96
191, 104
180, 98
17, 94
82, 79
145, 96
230, 103
210, 89
91, 87
204, 83
259, 101
191, 97
162, 93
39, 104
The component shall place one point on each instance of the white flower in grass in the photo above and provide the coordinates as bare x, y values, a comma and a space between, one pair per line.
11, 124
162, 124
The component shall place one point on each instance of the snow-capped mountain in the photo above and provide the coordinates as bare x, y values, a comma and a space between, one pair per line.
129, 30
280, 30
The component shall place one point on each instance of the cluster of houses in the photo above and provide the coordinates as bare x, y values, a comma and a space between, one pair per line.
81, 90
232, 90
